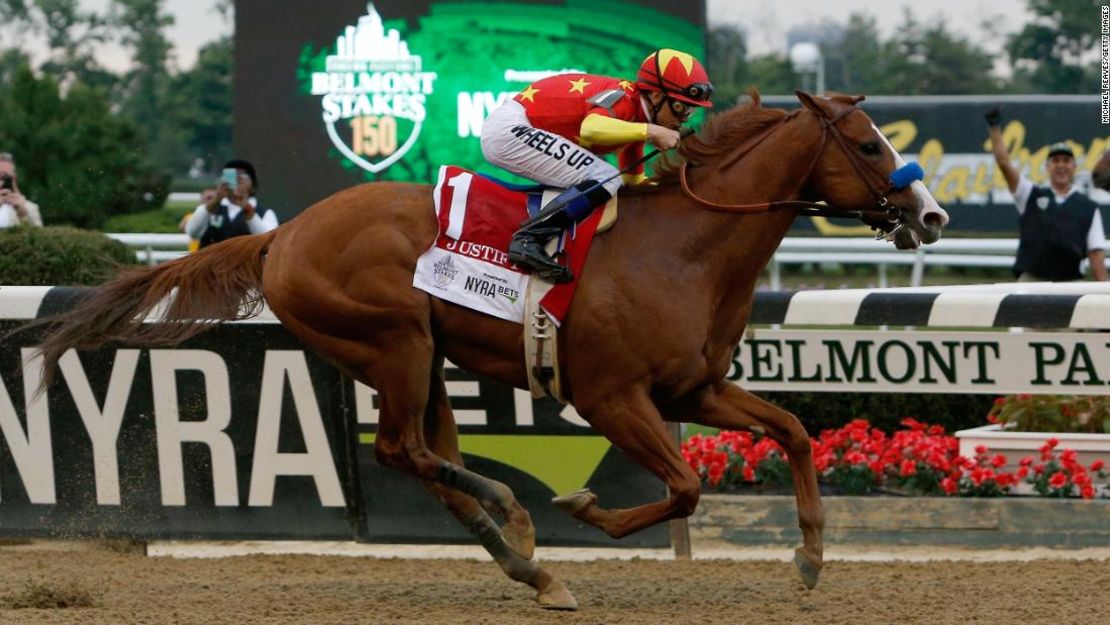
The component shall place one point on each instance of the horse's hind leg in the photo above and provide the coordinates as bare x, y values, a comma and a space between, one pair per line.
443, 439
399, 364
402, 382
633, 424
727, 406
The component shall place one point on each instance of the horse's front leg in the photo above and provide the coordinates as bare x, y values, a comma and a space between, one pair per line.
633, 424
727, 406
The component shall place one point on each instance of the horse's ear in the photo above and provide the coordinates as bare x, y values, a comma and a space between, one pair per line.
819, 106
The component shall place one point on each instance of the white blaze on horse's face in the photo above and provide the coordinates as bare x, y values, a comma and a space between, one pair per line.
930, 218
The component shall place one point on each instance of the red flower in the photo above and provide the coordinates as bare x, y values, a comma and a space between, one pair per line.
1087, 492
981, 449
1097, 465
998, 461
1058, 480
908, 468
949, 485
1026, 461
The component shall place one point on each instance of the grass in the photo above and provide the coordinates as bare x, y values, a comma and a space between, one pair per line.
163, 219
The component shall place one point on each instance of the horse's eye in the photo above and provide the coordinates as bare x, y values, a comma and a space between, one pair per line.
870, 148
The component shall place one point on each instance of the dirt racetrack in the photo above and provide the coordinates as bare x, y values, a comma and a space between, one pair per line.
99, 585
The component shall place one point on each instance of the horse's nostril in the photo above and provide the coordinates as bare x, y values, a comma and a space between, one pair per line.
935, 220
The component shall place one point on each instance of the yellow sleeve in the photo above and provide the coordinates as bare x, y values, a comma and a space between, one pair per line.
598, 129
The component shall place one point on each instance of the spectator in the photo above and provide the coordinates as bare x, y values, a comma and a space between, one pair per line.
14, 208
1059, 226
231, 212
205, 197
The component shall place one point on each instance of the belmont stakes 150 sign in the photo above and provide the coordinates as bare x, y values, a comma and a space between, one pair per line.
373, 93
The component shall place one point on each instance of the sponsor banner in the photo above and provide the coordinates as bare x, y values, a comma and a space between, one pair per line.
924, 362
233, 436
471, 282
242, 434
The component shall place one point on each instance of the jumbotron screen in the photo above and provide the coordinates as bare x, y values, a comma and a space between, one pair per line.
332, 94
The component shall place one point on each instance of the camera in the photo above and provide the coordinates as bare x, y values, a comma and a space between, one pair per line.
231, 177
7, 182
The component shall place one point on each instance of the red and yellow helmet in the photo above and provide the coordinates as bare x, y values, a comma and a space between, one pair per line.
678, 75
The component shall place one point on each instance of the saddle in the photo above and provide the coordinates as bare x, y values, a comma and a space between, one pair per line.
468, 265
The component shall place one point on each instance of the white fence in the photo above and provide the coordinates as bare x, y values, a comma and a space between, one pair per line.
157, 248
867, 251
154, 248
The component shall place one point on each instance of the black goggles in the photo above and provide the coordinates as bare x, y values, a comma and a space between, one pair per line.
700, 91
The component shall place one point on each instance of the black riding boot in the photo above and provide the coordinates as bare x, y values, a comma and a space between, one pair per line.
527, 246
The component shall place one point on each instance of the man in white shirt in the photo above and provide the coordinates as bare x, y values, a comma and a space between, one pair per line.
1059, 226
15, 209
232, 212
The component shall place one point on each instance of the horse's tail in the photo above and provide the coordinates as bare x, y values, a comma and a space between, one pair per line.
218, 283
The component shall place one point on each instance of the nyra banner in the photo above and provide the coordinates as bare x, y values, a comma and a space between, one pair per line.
240, 433
924, 362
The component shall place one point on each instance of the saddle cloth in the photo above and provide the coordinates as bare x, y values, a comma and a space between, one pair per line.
468, 264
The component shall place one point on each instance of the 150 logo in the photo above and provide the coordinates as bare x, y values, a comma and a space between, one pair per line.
373, 93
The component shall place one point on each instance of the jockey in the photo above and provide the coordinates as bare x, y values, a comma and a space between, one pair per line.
554, 131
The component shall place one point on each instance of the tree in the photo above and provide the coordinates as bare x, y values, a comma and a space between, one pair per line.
772, 74
726, 62
147, 96
854, 57
1052, 53
76, 159
922, 60
70, 35
204, 101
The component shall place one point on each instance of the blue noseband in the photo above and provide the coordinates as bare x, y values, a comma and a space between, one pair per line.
905, 175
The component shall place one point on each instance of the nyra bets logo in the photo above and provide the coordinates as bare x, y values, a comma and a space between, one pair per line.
373, 93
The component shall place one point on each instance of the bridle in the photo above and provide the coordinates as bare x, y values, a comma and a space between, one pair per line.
878, 185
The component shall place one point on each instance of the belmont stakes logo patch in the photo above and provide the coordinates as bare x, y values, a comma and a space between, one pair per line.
373, 92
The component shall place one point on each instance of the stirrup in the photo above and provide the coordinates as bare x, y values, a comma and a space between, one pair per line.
527, 251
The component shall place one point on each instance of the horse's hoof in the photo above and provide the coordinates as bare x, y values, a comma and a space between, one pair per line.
808, 567
556, 597
575, 502
522, 540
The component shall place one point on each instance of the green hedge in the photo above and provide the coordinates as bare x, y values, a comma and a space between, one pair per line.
820, 411
59, 256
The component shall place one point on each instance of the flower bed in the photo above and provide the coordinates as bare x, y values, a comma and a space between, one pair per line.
917, 460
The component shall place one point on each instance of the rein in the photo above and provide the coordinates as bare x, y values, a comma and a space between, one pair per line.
883, 213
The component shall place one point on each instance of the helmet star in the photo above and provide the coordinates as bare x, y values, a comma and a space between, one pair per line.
625, 84
578, 85
529, 93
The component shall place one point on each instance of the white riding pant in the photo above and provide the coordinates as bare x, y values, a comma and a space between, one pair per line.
511, 142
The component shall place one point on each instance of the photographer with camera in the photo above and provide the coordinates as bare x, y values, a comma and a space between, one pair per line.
234, 210
15, 209
1059, 226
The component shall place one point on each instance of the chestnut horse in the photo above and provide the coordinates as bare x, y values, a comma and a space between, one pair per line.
1100, 173
662, 302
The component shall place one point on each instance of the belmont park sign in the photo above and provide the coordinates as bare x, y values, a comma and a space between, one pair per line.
924, 362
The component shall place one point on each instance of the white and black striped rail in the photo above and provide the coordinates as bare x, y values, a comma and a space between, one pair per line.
1065, 306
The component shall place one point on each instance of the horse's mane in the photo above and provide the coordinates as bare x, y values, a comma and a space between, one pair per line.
720, 136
